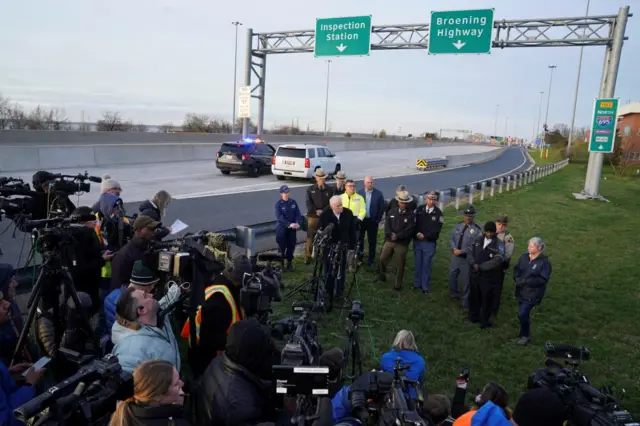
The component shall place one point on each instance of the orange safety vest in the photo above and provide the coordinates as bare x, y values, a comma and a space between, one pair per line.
99, 233
236, 314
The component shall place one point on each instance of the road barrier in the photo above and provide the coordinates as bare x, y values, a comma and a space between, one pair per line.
431, 164
254, 239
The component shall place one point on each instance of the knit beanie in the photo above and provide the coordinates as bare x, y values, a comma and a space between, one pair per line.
108, 183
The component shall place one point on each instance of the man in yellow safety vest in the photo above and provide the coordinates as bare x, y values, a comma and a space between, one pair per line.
214, 318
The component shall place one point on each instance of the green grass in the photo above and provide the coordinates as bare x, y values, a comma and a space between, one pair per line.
593, 297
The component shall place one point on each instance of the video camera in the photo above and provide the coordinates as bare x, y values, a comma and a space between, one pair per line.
303, 347
259, 289
356, 314
87, 397
65, 184
14, 183
585, 404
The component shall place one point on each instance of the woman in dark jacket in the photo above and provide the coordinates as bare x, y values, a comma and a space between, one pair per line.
531, 275
157, 399
156, 208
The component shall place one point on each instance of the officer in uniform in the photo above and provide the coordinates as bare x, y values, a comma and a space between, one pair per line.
429, 220
340, 186
221, 309
509, 246
485, 257
393, 203
318, 196
462, 235
399, 229
288, 219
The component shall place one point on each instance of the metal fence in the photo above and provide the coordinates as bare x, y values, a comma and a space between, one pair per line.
254, 239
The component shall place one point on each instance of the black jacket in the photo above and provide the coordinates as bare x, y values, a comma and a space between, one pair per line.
531, 278
402, 223
318, 199
122, 262
429, 224
147, 208
230, 395
215, 320
344, 230
489, 259
136, 414
117, 232
87, 270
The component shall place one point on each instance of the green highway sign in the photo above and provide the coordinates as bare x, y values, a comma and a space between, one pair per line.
460, 31
603, 125
345, 36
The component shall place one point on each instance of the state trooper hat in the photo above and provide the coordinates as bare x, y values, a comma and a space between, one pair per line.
502, 219
432, 195
469, 211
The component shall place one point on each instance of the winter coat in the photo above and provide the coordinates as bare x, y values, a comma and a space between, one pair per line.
122, 262
10, 331
136, 343
415, 361
87, 270
487, 415
137, 414
148, 208
531, 278
12, 397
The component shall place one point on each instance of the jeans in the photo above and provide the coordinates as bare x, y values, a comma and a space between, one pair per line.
423, 252
524, 315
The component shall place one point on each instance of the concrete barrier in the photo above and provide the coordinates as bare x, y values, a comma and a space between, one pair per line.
477, 158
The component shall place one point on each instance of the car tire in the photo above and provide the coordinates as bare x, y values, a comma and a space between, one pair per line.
225, 172
255, 171
280, 177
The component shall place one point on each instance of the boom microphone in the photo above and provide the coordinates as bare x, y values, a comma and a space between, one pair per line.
270, 257
562, 350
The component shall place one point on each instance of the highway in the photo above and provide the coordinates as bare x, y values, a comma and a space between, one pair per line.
253, 204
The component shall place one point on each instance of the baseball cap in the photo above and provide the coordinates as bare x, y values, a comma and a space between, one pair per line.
284, 189
145, 222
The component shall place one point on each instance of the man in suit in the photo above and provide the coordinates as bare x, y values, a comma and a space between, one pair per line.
374, 201
343, 232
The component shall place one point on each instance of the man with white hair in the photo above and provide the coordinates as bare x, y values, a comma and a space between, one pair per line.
341, 221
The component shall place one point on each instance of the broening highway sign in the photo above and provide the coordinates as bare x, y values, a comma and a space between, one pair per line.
460, 31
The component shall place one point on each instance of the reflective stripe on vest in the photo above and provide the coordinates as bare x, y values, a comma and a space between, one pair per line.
356, 203
236, 314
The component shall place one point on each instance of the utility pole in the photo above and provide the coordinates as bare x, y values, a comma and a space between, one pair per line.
546, 116
326, 101
495, 125
235, 76
506, 126
575, 96
539, 115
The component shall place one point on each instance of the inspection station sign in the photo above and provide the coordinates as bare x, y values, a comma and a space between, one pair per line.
344, 36
460, 31
603, 125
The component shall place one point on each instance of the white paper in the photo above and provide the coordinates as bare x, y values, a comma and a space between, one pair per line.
178, 226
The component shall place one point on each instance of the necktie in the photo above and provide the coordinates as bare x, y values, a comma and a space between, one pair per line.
462, 237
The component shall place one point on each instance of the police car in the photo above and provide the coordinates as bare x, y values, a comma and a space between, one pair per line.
302, 160
250, 155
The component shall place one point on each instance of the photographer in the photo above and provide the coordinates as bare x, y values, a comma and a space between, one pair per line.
215, 318
156, 209
492, 408
405, 348
157, 398
144, 229
235, 388
12, 395
344, 233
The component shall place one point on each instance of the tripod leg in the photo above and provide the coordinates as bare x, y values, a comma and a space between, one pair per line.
357, 356
36, 294
70, 288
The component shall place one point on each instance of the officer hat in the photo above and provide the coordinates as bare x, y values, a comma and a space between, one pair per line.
469, 211
341, 175
432, 195
403, 197
502, 219
320, 174
142, 275
284, 189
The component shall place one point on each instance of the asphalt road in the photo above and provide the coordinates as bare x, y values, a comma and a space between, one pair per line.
226, 211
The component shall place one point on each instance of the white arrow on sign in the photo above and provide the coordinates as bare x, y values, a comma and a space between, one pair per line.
341, 47
600, 147
459, 44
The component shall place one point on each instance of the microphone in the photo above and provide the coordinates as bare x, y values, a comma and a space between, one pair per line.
328, 230
563, 350
270, 257
95, 179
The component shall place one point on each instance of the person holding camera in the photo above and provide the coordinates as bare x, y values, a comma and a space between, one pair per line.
492, 409
343, 232
288, 220
405, 348
215, 318
158, 398
235, 388
12, 394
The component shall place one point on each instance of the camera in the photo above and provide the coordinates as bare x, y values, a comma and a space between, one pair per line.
585, 404
356, 314
87, 397
259, 289
302, 348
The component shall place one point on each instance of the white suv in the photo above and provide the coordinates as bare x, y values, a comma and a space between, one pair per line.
302, 160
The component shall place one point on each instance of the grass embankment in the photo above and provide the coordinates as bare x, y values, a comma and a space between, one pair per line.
593, 297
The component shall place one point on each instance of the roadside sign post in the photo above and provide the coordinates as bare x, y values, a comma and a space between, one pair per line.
244, 102
460, 32
603, 125
344, 36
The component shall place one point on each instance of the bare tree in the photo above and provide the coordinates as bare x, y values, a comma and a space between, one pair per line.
140, 127
286, 130
4, 112
196, 123
113, 122
37, 119
57, 120
17, 117
167, 127
252, 126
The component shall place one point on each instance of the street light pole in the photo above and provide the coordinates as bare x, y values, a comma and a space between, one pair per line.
506, 126
539, 115
326, 101
235, 77
575, 96
546, 116
495, 124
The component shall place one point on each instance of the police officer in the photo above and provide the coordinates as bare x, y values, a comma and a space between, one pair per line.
509, 245
318, 196
399, 229
393, 203
288, 219
340, 186
485, 257
429, 220
462, 235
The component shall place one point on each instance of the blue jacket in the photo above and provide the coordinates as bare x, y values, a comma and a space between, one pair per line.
417, 365
110, 307
490, 415
341, 405
10, 331
376, 206
531, 278
287, 212
12, 397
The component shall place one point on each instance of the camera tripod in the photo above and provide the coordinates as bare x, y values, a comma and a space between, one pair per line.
54, 279
315, 285
352, 350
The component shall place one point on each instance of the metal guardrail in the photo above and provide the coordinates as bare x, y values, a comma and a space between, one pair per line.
424, 164
248, 238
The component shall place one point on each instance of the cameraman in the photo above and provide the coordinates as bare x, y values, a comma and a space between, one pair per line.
47, 199
214, 319
344, 233
144, 229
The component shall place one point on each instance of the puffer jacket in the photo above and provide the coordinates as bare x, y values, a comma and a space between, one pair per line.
415, 361
148, 208
136, 343
136, 414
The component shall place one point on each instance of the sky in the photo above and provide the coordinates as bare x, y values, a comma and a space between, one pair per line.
156, 60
